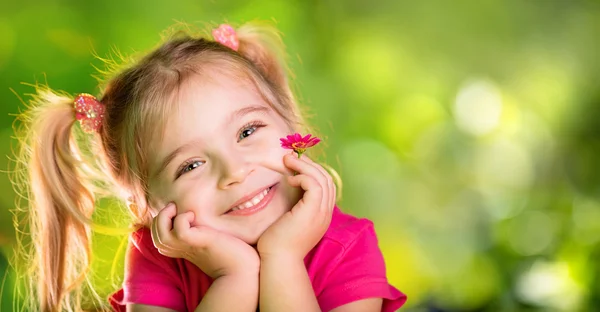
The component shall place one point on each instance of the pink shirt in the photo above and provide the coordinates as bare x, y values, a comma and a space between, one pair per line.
345, 266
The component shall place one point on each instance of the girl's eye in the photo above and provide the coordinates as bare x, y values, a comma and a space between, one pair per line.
189, 166
247, 132
249, 129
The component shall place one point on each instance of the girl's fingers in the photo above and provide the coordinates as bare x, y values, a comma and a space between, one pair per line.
301, 166
326, 181
182, 225
155, 239
204, 236
329, 198
279, 166
324, 172
171, 253
313, 194
162, 248
161, 226
154, 230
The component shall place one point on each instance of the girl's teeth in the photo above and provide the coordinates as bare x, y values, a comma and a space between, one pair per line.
252, 202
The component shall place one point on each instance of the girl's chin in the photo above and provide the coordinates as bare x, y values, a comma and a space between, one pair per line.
252, 234
249, 238
251, 231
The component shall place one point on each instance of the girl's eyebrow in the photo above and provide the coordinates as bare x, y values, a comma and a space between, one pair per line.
172, 156
245, 111
235, 115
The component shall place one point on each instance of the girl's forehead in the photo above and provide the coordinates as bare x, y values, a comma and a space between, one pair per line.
208, 105
206, 110
217, 92
204, 107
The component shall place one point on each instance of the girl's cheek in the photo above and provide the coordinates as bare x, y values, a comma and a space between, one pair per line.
269, 152
196, 200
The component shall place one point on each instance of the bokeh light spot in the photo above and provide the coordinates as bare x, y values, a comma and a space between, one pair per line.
531, 232
550, 285
586, 218
505, 164
478, 107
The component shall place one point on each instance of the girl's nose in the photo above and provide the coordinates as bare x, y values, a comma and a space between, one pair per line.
234, 170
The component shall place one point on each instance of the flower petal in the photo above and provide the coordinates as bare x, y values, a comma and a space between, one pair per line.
299, 143
313, 142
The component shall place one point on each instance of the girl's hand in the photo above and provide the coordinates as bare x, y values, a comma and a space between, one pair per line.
215, 253
300, 229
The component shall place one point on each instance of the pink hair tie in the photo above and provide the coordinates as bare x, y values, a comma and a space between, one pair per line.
226, 36
89, 112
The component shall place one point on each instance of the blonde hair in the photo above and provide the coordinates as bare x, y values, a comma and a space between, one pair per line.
60, 172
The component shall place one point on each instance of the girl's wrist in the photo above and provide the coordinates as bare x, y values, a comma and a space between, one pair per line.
284, 253
239, 277
281, 257
247, 272
250, 268
240, 280
244, 286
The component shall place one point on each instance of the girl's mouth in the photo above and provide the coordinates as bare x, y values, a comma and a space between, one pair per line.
255, 204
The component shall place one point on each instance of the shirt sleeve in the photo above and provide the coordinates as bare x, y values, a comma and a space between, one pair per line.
149, 277
360, 274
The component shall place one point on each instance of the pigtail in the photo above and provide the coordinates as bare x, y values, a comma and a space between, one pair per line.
262, 45
59, 204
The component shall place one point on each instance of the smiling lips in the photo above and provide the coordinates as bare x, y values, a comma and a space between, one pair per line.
254, 204
255, 200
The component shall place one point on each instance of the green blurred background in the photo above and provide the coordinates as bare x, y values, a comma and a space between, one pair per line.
466, 130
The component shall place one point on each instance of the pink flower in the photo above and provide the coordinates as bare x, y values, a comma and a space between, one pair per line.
298, 143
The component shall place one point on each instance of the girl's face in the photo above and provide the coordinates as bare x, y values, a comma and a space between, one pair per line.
221, 149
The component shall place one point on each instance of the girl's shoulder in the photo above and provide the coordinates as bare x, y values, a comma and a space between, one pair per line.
346, 228
141, 239
347, 265
141, 244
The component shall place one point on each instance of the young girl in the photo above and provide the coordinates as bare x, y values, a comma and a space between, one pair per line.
228, 219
